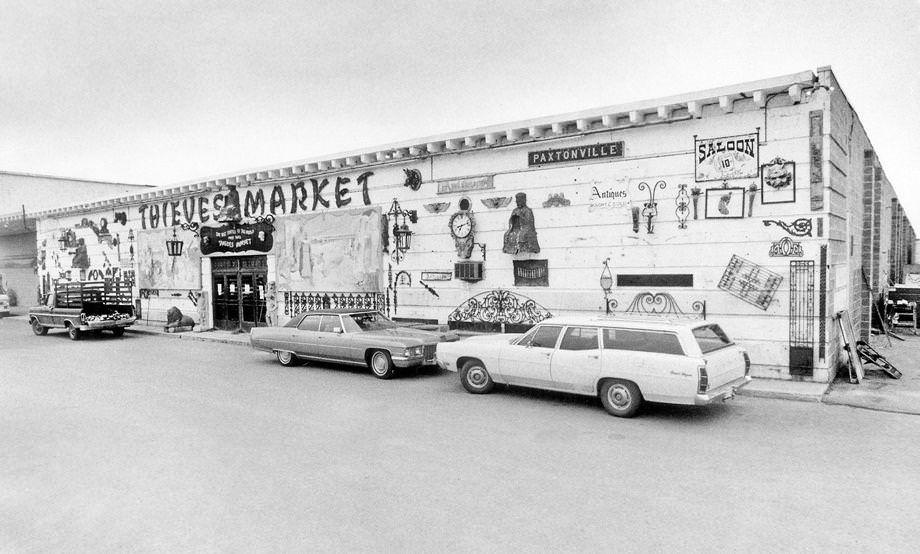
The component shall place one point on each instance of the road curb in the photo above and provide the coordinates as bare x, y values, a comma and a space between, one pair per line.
781, 395
187, 336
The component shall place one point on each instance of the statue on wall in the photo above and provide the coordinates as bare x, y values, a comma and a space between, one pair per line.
271, 305
230, 212
202, 305
81, 257
521, 235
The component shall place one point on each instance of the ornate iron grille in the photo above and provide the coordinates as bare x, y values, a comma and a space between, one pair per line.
801, 316
300, 301
750, 282
497, 310
660, 304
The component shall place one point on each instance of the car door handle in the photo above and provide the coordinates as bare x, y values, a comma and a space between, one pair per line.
594, 357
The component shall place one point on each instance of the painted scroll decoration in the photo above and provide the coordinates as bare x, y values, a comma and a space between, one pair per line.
799, 228
660, 303
496, 310
496, 202
436, 207
750, 282
557, 200
786, 248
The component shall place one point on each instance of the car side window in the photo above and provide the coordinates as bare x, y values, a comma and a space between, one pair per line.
544, 337
329, 323
579, 338
638, 340
310, 323
349, 325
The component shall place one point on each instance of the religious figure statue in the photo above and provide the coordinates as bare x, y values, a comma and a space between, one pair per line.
230, 212
81, 257
271, 305
521, 235
202, 306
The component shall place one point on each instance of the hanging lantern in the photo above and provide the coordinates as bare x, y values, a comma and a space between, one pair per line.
606, 284
403, 237
174, 246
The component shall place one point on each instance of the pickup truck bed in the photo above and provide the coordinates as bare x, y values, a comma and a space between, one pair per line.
88, 306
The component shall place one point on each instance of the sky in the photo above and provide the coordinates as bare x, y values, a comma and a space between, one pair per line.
160, 93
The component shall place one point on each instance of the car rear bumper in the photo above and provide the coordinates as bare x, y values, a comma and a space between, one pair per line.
97, 325
723, 393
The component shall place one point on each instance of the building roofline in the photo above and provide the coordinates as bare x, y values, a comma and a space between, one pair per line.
529, 131
78, 179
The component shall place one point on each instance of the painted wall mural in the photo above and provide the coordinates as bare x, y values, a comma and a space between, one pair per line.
157, 270
732, 157
330, 251
750, 282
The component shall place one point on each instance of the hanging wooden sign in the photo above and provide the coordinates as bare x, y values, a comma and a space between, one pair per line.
237, 237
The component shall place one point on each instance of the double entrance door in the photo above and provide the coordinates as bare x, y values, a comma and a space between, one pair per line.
238, 284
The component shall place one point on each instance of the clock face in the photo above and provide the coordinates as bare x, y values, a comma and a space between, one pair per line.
461, 225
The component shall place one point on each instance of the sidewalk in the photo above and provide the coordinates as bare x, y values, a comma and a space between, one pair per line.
214, 335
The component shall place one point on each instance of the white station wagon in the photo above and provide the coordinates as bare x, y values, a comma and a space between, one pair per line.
623, 361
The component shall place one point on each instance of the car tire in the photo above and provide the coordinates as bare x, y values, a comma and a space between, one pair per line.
620, 398
38, 328
118, 331
73, 332
287, 359
381, 364
475, 378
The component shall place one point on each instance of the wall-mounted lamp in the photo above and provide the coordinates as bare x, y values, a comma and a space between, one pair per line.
606, 284
401, 233
174, 245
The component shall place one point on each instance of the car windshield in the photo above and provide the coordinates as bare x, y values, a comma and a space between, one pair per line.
711, 337
370, 321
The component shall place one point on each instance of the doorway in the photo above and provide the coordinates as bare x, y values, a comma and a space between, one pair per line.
238, 284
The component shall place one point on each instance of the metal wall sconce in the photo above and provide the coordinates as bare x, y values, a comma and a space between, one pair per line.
606, 284
174, 245
482, 249
401, 232
650, 209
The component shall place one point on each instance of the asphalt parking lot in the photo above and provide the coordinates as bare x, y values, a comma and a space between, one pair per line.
149, 443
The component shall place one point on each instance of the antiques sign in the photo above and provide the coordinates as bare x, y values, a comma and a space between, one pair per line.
237, 238
576, 153
607, 195
735, 157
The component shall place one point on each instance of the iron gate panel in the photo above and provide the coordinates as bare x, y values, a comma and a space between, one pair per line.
801, 317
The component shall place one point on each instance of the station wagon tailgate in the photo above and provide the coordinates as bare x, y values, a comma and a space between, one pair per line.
726, 362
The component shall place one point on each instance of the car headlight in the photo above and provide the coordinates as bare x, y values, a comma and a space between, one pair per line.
413, 351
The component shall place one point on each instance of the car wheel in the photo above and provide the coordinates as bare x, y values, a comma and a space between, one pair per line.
73, 332
38, 328
118, 331
381, 364
287, 359
621, 398
475, 378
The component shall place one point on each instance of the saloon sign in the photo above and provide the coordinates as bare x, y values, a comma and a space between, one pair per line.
734, 157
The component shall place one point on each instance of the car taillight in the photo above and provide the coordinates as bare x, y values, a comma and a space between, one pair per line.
703, 383
747, 364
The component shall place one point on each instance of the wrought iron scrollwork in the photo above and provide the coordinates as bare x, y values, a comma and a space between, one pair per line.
496, 309
300, 301
799, 228
683, 206
660, 303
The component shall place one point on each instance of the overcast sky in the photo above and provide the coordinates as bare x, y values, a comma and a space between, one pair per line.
164, 92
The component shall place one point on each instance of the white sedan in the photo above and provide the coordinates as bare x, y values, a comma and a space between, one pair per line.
623, 361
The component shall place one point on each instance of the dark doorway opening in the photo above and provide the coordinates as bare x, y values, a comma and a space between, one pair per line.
238, 285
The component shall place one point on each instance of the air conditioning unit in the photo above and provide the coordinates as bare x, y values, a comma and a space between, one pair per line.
468, 271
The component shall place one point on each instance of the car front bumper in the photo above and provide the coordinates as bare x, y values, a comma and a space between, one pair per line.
411, 361
723, 393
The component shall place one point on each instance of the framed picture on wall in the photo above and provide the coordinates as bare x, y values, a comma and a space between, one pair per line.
777, 182
725, 203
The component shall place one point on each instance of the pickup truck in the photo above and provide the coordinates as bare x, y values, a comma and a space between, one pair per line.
85, 306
